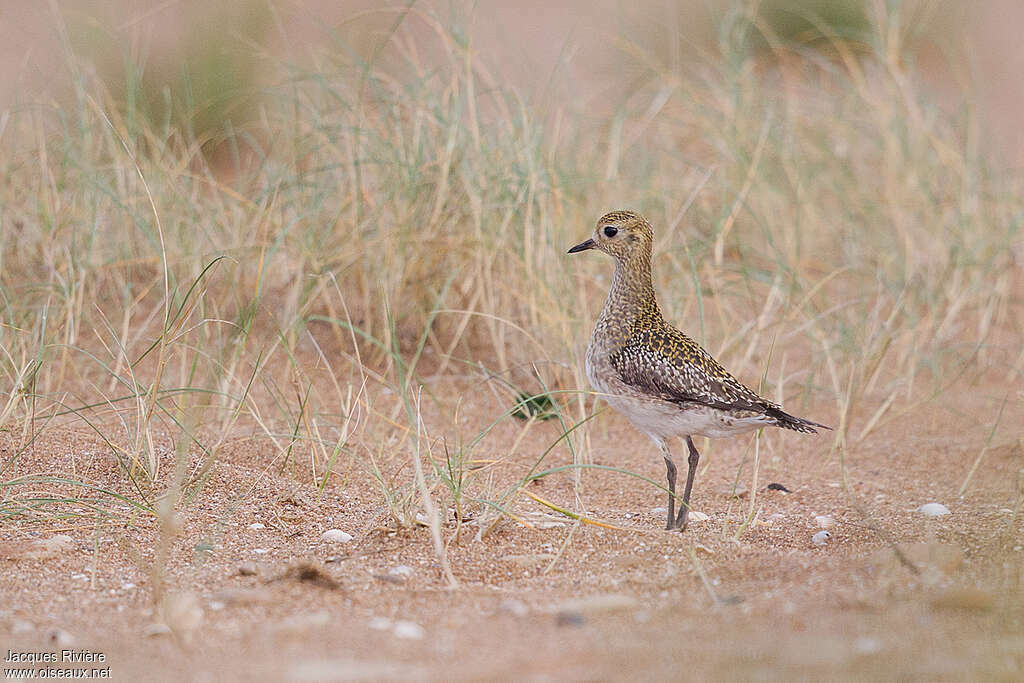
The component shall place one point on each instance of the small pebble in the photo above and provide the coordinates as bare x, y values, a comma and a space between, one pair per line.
260, 551
299, 624
530, 560
547, 524
46, 548
22, 626
380, 624
820, 538
660, 512
335, 536
247, 569
570, 619
400, 570
408, 629
933, 510
824, 521
600, 603
387, 578
778, 487
697, 516
156, 630
514, 607
60, 637
255, 526
868, 646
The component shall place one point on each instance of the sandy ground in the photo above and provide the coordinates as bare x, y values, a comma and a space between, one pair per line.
891, 594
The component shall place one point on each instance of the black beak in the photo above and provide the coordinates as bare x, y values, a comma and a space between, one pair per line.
583, 246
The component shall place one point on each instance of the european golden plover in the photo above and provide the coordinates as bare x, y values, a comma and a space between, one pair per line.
655, 375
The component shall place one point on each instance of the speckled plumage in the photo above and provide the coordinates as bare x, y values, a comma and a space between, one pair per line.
661, 379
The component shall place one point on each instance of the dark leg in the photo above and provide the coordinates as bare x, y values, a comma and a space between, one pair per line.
684, 510
670, 471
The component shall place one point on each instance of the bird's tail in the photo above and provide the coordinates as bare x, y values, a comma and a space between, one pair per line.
797, 424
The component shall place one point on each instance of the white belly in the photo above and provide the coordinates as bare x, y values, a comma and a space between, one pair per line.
661, 419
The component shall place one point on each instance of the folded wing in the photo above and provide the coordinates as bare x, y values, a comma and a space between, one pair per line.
668, 364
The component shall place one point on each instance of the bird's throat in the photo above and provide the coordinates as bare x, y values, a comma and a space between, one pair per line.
631, 303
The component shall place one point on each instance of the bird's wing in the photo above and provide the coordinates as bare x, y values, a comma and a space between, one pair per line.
668, 364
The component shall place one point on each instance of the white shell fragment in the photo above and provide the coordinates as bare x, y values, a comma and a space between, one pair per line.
408, 629
20, 626
380, 624
697, 516
47, 548
824, 521
820, 538
867, 646
514, 607
933, 510
335, 536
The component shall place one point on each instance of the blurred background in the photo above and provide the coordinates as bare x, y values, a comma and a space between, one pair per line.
206, 64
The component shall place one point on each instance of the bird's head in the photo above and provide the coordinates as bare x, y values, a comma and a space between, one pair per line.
622, 234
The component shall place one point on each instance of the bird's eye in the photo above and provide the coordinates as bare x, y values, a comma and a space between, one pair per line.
611, 230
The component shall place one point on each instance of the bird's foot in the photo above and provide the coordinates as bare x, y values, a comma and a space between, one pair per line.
682, 520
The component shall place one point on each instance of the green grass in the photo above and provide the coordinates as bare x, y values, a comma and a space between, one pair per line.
376, 209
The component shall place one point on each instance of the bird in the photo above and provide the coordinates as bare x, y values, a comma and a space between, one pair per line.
663, 381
